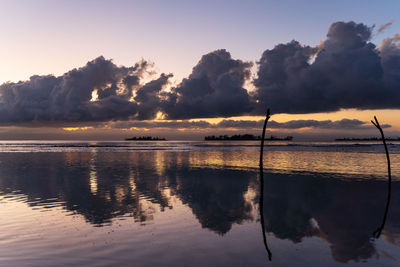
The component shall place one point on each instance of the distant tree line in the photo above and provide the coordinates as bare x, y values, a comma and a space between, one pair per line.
145, 138
245, 137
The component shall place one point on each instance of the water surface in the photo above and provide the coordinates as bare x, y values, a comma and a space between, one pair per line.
195, 204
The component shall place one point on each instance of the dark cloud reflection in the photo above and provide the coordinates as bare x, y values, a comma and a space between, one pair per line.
343, 212
102, 186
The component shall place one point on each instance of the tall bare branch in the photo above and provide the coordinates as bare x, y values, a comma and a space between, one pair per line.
261, 203
378, 231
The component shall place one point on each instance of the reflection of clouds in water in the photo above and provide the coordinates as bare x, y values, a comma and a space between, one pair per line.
342, 212
103, 186
140, 184
93, 181
216, 197
159, 162
93, 175
132, 181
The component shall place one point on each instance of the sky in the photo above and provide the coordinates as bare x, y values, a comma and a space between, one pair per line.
185, 69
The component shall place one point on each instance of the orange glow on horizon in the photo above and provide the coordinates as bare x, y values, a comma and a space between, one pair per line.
386, 116
71, 129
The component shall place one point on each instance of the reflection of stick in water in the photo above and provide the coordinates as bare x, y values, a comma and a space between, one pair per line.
261, 205
378, 231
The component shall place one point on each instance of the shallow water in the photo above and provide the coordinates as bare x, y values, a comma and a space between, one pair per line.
195, 204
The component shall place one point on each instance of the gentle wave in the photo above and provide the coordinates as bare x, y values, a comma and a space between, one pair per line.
68, 146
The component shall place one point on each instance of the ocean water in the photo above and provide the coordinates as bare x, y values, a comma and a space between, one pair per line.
196, 204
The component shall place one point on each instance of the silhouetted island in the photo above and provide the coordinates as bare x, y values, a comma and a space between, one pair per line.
367, 139
245, 137
145, 138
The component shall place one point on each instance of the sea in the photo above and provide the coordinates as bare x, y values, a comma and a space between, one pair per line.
197, 203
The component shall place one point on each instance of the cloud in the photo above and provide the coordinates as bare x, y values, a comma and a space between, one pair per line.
69, 97
346, 71
245, 124
160, 124
390, 57
213, 89
148, 98
390, 47
383, 27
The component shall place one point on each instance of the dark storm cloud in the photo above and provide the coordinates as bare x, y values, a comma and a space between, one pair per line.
68, 97
345, 71
383, 27
213, 89
390, 57
148, 97
246, 124
390, 47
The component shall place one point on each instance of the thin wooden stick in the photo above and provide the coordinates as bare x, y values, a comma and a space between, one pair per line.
378, 231
261, 204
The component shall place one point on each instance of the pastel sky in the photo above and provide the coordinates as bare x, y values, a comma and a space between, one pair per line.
186, 39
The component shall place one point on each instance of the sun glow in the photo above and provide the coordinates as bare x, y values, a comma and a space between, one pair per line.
160, 116
95, 95
136, 129
71, 129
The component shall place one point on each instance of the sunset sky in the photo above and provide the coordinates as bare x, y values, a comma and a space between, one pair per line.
97, 70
